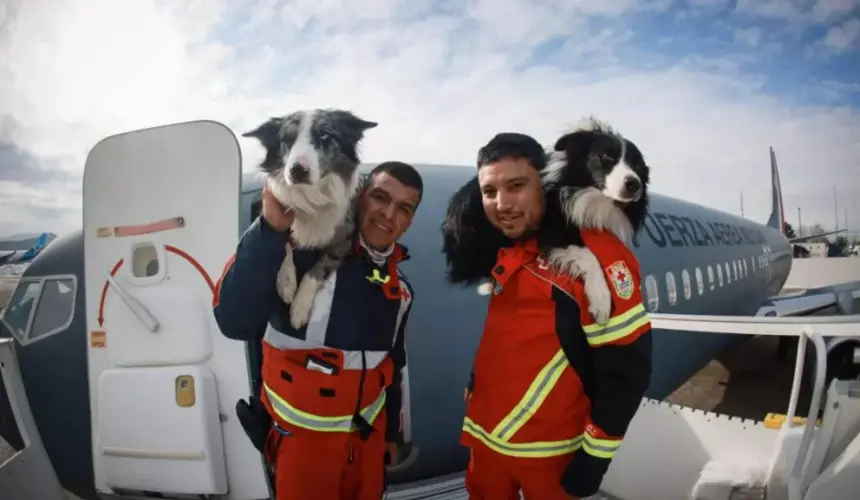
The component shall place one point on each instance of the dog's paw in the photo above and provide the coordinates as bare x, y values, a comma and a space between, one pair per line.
579, 261
299, 315
300, 309
570, 260
286, 283
599, 297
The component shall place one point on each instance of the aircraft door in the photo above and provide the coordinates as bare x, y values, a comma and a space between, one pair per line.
161, 219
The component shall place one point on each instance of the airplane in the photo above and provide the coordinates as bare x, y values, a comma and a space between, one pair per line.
132, 387
25, 255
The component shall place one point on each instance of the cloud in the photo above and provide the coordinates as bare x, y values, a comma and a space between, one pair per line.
440, 78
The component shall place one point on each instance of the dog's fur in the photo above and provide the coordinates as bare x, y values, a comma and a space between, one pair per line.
311, 166
584, 182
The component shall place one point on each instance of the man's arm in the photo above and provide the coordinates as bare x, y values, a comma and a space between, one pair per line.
620, 373
394, 392
247, 292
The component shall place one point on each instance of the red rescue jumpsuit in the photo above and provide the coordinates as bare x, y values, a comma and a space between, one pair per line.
317, 447
318, 464
552, 393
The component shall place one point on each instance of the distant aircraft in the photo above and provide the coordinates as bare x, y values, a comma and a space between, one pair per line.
19, 256
133, 388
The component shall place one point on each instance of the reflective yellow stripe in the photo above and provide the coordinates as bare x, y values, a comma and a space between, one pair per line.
293, 415
525, 450
533, 398
600, 448
618, 327
499, 438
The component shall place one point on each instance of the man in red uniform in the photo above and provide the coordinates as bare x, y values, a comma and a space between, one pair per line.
552, 393
331, 392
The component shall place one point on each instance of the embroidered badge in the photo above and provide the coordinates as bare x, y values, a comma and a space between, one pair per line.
622, 280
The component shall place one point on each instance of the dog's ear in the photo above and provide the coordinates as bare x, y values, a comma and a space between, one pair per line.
350, 121
268, 133
574, 143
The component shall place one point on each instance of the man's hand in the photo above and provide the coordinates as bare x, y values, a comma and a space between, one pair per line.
391, 453
275, 214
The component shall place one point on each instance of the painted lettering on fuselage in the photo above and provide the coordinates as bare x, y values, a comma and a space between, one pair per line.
681, 231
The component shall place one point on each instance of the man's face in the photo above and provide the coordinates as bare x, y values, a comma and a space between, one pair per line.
512, 196
386, 209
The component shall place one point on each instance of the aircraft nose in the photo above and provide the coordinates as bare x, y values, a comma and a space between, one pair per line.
632, 185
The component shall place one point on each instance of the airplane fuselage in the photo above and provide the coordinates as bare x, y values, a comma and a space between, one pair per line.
694, 260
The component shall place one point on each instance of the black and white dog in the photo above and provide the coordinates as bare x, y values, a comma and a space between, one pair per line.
594, 178
311, 166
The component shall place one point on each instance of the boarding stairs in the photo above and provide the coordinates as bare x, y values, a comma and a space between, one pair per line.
670, 452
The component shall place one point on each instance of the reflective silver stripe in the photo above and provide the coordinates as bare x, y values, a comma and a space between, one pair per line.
351, 359
315, 333
306, 420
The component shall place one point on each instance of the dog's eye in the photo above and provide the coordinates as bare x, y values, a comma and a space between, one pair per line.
324, 137
608, 158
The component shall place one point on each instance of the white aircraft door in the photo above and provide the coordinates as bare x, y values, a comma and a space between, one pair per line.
160, 219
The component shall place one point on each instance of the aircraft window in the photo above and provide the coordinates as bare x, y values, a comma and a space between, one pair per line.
720, 274
745, 268
671, 289
710, 276
652, 293
685, 282
700, 283
735, 269
56, 307
728, 273
144, 261
752, 262
17, 314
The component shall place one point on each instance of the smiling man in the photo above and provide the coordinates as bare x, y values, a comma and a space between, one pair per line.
331, 390
551, 393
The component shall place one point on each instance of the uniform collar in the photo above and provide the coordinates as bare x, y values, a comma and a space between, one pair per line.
391, 285
510, 259
398, 254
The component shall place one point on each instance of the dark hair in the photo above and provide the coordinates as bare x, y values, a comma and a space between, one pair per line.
512, 145
405, 174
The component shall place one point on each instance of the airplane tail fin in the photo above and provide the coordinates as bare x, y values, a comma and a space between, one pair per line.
777, 215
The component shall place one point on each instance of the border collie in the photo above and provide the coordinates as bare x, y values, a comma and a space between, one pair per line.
595, 178
311, 166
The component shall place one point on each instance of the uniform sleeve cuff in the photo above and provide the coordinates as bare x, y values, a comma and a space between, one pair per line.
583, 475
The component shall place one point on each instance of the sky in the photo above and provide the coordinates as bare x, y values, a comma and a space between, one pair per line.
704, 87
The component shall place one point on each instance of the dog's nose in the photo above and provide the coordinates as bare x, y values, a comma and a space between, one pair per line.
632, 184
298, 169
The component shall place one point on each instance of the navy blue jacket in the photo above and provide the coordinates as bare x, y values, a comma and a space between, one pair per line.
360, 318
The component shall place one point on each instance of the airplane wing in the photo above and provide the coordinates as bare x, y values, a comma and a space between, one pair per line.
801, 239
806, 302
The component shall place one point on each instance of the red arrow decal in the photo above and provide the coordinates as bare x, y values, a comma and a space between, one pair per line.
176, 251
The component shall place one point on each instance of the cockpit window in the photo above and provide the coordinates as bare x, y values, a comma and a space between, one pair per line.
40, 307
16, 316
55, 309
